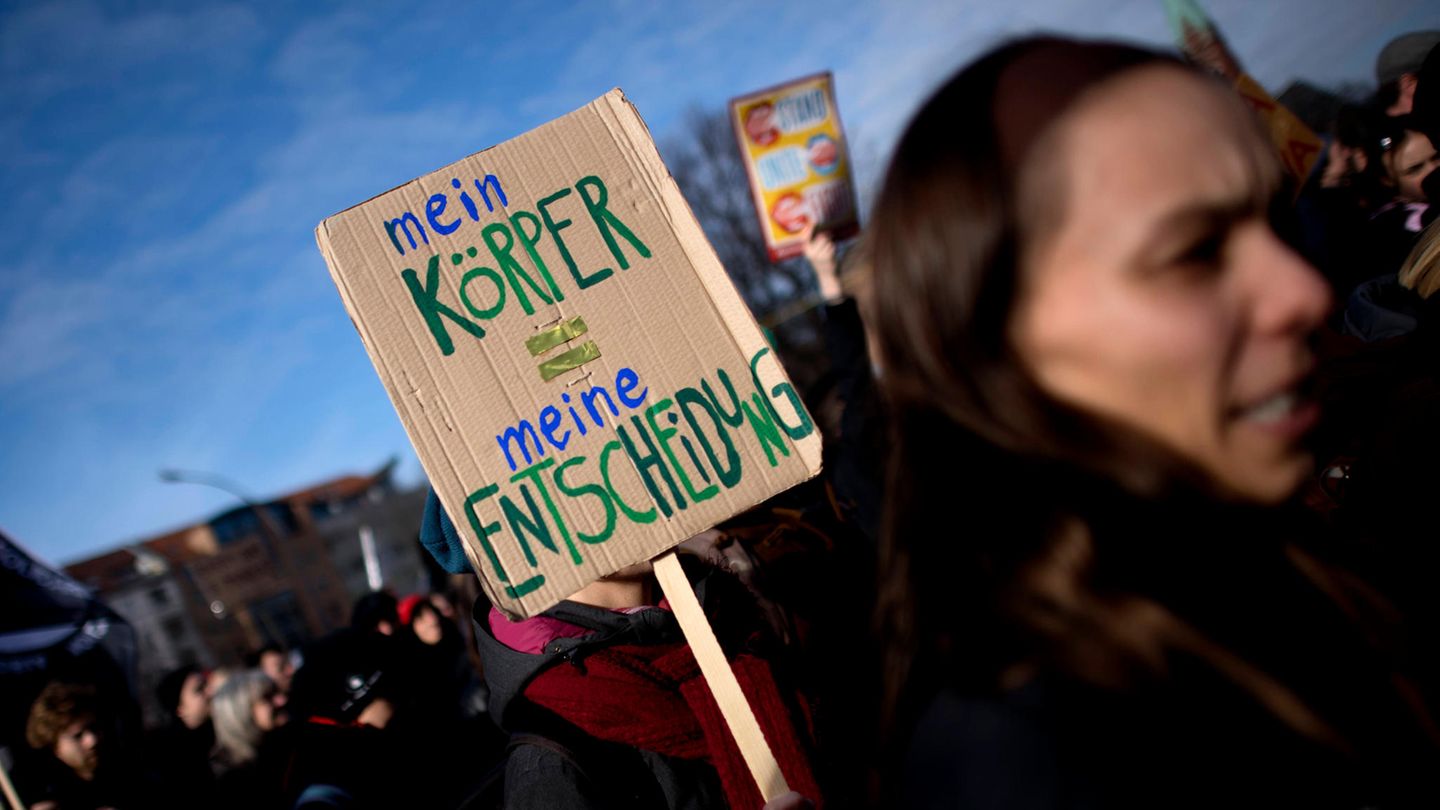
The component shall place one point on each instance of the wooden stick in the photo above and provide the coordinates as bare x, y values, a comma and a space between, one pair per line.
733, 705
14, 798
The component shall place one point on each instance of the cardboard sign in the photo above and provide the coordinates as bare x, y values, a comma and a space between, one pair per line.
581, 381
799, 167
1200, 40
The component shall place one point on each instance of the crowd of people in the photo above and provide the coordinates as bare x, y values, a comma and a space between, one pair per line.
369, 708
1125, 505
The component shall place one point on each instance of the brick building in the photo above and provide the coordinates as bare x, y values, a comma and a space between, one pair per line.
284, 571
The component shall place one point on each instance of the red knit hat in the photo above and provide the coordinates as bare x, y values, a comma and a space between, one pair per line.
406, 608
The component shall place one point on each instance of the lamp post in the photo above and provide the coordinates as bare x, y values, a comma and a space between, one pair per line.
270, 534
220, 482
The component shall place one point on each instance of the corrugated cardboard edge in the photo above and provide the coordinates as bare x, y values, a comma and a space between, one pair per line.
740, 324
387, 380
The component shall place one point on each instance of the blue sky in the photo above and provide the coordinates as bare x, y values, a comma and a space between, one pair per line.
162, 302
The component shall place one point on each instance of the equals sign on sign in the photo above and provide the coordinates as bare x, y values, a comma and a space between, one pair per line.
545, 340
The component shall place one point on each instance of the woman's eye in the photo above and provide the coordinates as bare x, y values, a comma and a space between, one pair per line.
1204, 252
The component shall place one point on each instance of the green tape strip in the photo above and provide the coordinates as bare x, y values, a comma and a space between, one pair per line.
542, 342
576, 357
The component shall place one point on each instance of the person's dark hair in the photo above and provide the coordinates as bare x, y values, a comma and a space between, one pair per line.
374, 608
1006, 507
424, 606
1426, 109
1362, 128
1387, 94
343, 673
170, 686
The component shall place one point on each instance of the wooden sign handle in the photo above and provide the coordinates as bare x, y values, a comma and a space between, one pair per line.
733, 705
13, 798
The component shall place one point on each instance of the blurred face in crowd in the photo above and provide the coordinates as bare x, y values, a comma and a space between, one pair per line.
194, 706
217, 679
269, 710
427, 624
377, 713
277, 666
1409, 164
78, 746
1158, 295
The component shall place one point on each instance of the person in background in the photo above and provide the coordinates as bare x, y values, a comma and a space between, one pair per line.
1425, 113
275, 662
839, 650
1380, 466
216, 678
439, 662
180, 750
1409, 158
1421, 270
376, 612
606, 706
610, 709
251, 747
1096, 589
1333, 212
358, 744
1380, 309
422, 619
1397, 70
75, 764
854, 458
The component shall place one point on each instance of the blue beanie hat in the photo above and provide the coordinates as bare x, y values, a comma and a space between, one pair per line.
438, 536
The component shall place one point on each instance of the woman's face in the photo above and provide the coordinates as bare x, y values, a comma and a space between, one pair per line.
1160, 297
194, 706
1409, 164
427, 625
269, 711
78, 746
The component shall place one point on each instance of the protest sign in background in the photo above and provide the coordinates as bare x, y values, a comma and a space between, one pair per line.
1199, 39
582, 383
799, 167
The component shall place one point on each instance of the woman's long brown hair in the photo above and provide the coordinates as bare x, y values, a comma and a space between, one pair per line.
1002, 501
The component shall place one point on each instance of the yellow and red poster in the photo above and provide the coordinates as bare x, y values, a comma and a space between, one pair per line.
1200, 41
799, 167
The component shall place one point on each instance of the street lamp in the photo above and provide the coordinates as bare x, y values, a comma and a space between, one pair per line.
267, 526
270, 535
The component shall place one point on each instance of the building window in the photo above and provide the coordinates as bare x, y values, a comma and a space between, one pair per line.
240, 523
280, 620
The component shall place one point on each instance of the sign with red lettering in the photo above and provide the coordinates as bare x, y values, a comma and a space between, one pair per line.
794, 152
